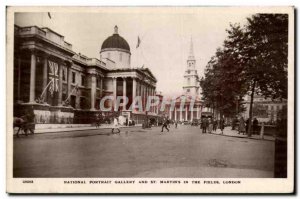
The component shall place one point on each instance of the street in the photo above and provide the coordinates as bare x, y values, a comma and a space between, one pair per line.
136, 152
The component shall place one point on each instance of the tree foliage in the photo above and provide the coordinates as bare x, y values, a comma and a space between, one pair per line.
253, 59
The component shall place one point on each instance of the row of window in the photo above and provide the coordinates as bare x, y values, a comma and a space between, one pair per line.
83, 80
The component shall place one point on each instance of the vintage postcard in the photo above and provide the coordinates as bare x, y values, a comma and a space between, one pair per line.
150, 99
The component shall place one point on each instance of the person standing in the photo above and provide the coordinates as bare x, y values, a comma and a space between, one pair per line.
215, 124
242, 128
222, 125
165, 125
204, 125
255, 126
210, 125
30, 121
247, 125
116, 126
175, 124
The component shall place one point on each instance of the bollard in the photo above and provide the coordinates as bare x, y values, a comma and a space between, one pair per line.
262, 131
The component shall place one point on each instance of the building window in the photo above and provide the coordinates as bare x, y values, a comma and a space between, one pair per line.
190, 64
82, 80
120, 56
73, 77
188, 72
188, 90
188, 81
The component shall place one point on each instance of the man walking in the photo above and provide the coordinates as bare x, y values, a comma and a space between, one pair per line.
165, 125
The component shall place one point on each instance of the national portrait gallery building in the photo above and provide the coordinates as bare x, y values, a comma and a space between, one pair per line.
62, 86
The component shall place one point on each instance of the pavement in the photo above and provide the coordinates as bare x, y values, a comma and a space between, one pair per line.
137, 152
234, 133
227, 131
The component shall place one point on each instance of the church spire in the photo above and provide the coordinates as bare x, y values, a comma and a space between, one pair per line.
191, 53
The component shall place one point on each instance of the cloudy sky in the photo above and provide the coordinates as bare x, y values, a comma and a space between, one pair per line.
165, 35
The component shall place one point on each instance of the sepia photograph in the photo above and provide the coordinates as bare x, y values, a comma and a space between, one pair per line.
150, 99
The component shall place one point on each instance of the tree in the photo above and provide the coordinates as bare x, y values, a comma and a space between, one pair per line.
265, 55
223, 85
253, 60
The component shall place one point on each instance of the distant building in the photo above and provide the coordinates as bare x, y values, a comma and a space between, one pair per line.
66, 87
265, 110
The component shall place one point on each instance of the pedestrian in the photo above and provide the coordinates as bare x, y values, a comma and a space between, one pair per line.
204, 125
176, 124
210, 125
242, 128
247, 125
255, 126
222, 125
116, 126
215, 124
29, 121
165, 125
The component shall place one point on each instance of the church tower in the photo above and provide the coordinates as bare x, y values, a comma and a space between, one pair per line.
191, 78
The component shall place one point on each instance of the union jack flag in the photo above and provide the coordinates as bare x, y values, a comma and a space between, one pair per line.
53, 77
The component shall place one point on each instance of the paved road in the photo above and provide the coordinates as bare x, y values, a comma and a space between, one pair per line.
183, 152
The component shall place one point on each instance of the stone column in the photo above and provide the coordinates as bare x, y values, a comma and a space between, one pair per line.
114, 91
93, 91
45, 77
192, 114
186, 113
32, 78
19, 77
124, 93
175, 114
133, 88
60, 66
198, 112
101, 86
180, 114
142, 94
69, 80
170, 113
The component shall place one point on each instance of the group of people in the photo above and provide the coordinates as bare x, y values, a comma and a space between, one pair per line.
208, 125
244, 126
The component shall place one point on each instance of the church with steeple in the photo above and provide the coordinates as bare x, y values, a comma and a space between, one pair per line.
188, 106
191, 78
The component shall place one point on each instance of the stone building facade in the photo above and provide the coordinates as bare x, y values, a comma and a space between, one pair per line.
62, 86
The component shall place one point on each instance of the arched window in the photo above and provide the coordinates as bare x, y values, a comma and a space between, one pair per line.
188, 81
